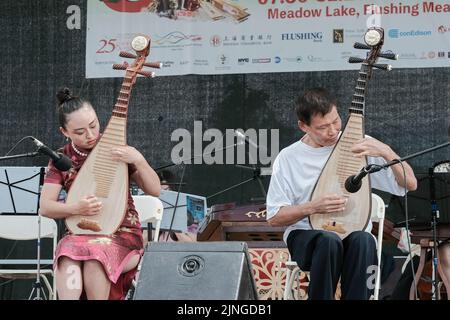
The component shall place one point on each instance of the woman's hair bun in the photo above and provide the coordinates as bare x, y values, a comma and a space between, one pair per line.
63, 95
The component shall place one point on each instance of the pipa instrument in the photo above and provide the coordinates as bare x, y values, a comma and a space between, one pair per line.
342, 163
100, 175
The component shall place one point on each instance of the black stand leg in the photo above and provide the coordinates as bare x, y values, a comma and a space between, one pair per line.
38, 292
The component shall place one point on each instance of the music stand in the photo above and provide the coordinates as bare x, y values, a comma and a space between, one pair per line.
13, 184
19, 190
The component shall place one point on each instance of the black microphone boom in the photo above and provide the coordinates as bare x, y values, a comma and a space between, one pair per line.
60, 161
353, 183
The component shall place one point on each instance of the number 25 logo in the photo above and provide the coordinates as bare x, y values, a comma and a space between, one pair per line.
107, 46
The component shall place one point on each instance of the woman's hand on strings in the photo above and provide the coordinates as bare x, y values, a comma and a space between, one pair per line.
88, 206
126, 154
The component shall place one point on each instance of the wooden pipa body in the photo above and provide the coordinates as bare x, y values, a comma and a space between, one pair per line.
342, 164
107, 179
100, 175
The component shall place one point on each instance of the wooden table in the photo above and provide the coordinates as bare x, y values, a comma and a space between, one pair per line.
228, 222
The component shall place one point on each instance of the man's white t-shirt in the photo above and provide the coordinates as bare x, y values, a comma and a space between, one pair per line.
294, 175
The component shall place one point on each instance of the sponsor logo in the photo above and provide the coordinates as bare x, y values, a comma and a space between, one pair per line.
354, 33
393, 33
443, 29
277, 59
408, 55
240, 40
298, 36
242, 61
313, 58
262, 60
397, 33
215, 41
338, 35
297, 59
431, 55
448, 54
441, 54
176, 37
201, 62
222, 60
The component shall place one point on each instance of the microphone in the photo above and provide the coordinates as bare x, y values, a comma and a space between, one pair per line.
353, 183
60, 161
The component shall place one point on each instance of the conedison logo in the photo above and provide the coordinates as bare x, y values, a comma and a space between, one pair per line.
235, 146
396, 33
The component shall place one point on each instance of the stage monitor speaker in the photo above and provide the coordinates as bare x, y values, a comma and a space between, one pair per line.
196, 271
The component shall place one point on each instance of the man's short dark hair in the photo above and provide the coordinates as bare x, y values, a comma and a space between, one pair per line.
314, 101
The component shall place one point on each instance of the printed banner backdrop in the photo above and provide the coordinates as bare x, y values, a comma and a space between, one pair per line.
254, 36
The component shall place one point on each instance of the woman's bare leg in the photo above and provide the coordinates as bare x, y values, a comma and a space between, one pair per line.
69, 281
96, 282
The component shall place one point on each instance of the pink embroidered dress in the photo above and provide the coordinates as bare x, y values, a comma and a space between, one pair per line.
114, 251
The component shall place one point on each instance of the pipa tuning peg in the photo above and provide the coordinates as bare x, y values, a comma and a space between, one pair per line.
386, 67
388, 55
147, 74
125, 54
122, 66
355, 60
359, 45
156, 64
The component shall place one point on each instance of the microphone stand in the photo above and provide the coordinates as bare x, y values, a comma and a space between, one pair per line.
37, 286
23, 155
256, 173
434, 220
371, 168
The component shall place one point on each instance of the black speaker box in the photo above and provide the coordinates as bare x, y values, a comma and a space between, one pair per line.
196, 271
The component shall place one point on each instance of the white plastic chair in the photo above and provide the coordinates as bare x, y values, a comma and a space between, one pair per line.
378, 211
377, 215
26, 228
150, 210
